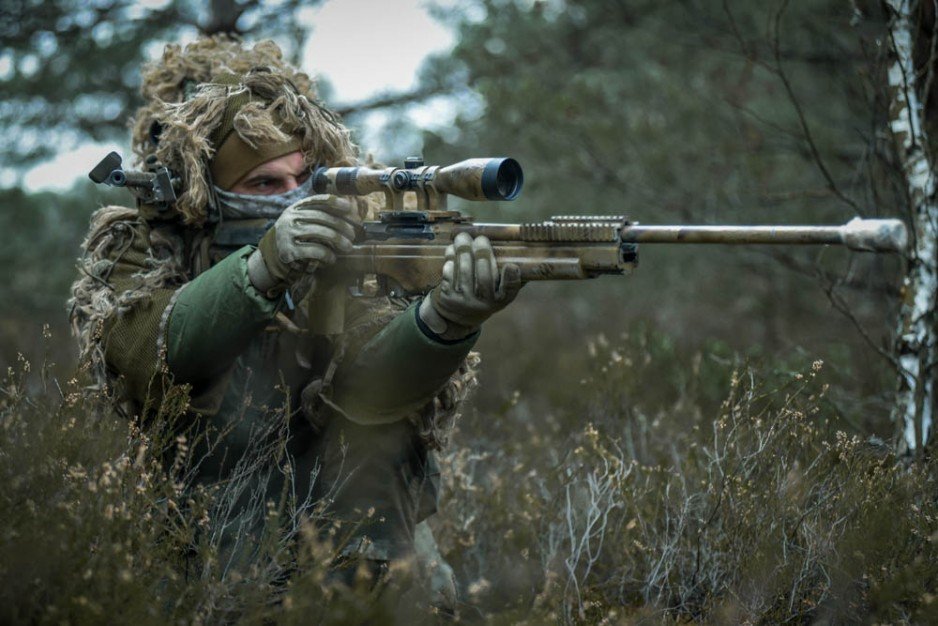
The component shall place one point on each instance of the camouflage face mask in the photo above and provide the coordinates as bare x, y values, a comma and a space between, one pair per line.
242, 206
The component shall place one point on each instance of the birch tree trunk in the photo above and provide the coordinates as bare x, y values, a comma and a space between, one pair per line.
916, 342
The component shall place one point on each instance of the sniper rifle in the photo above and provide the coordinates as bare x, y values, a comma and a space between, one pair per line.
403, 251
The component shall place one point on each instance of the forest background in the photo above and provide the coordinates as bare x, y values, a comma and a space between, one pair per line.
709, 438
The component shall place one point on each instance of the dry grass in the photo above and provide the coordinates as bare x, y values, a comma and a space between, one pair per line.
647, 499
104, 523
625, 508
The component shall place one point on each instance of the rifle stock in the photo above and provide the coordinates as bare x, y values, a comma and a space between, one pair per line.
406, 250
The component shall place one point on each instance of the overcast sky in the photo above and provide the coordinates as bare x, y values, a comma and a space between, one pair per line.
360, 46
364, 46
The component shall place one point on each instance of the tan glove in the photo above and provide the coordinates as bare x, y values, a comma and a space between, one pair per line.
307, 235
472, 289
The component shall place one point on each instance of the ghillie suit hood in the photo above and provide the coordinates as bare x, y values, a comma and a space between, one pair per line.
198, 97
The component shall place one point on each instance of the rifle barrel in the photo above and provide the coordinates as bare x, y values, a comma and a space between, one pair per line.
879, 235
641, 233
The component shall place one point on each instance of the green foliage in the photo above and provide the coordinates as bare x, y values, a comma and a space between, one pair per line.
660, 485
658, 104
44, 222
658, 447
85, 510
46, 229
692, 112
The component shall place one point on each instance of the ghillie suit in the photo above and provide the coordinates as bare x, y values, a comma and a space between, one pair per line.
140, 301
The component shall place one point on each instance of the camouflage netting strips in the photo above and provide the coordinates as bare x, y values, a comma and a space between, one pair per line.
95, 299
187, 108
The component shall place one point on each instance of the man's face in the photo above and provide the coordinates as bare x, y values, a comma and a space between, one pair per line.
274, 177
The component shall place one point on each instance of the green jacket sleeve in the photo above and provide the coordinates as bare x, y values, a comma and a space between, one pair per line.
213, 320
397, 372
131, 337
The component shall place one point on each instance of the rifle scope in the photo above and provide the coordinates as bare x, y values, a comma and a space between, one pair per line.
472, 179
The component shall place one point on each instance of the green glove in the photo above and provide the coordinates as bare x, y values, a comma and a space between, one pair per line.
307, 235
472, 289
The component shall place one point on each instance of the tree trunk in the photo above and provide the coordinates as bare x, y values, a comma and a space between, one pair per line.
916, 342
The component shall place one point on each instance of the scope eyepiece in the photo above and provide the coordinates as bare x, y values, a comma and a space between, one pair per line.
502, 179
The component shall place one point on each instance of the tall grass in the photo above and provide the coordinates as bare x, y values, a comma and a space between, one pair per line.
627, 504
660, 487
102, 522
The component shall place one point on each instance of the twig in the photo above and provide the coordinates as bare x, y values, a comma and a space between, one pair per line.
385, 101
844, 310
805, 127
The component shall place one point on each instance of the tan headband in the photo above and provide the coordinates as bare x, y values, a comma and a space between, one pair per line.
234, 157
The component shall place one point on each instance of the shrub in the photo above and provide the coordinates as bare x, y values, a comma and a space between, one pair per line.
102, 522
662, 486
756, 509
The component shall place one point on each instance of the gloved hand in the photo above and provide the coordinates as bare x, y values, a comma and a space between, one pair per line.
307, 234
472, 289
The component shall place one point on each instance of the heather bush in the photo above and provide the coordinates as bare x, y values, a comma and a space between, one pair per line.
103, 523
662, 486
624, 506
92, 529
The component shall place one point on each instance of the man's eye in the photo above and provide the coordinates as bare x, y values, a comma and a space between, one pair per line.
267, 186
